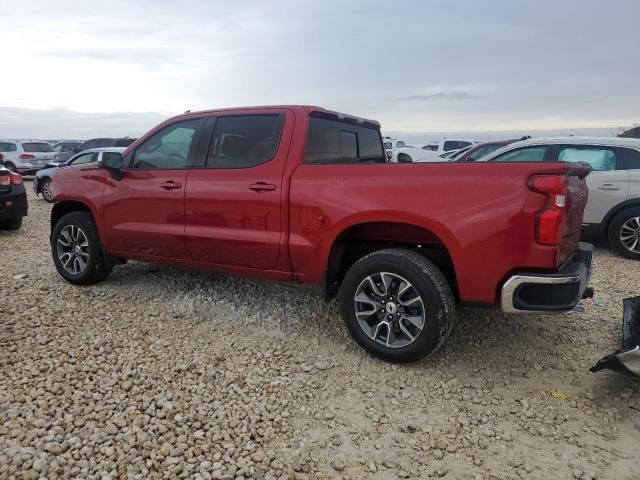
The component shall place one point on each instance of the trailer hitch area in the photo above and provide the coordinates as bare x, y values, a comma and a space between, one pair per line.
627, 359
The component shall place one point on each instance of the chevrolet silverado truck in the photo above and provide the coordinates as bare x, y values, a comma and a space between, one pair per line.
303, 194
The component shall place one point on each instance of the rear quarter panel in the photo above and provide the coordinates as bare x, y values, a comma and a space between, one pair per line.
483, 213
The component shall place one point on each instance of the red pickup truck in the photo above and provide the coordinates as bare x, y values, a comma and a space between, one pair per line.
304, 194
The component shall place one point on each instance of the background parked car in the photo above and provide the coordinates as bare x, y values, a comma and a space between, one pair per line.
480, 150
104, 143
42, 180
13, 200
429, 153
613, 209
25, 156
65, 150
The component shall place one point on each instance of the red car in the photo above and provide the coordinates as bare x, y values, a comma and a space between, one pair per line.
304, 194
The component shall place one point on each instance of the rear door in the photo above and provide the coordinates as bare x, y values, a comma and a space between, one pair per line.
632, 162
234, 199
608, 182
144, 211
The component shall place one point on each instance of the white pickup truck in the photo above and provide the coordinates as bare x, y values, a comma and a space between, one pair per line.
399, 152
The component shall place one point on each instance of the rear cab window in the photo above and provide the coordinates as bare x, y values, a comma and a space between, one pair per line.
37, 147
332, 141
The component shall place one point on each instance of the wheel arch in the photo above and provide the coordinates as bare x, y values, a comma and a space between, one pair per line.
358, 239
614, 212
60, 209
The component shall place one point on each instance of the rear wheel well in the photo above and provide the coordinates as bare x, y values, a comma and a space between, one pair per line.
404, 158
361, 240
611, 216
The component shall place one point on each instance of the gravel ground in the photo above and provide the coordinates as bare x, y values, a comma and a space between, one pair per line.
164, 373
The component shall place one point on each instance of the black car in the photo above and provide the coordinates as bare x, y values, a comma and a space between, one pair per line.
13, 200
105, 142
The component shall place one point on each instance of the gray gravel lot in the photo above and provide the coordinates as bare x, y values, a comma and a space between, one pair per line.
165, 373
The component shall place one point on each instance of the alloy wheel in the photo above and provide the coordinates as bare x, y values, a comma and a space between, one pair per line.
630, 234
72, 248
389, 309
46, 190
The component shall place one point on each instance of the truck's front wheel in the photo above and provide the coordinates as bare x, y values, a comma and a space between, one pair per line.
397, 305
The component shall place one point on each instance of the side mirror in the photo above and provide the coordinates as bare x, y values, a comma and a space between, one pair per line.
76, 149
112, 162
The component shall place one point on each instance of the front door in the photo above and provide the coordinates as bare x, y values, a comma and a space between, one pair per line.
144, 210
608, 182
234, 199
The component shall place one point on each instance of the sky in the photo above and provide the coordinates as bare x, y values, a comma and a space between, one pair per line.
77, 69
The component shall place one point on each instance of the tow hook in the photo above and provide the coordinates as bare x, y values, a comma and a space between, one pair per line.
627, 359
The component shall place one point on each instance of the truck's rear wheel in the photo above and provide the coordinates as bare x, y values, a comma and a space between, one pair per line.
397, 305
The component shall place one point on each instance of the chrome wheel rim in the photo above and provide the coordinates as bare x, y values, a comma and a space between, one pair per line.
630, 234
72, 248
389, 310
46, 190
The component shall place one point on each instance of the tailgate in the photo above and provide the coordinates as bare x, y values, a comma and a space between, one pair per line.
576, 201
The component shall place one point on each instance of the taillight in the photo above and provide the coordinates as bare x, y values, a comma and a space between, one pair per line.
15, 179
1, 157
26, 156
550, 220
5, 180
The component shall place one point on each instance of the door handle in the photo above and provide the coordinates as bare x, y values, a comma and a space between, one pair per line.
262, 187
171, 185
608, 186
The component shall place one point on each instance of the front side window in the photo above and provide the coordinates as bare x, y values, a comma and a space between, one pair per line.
89, 145
169, 148
401, 144
85, 158
8, 147
66, 148
600, 159
527, 154
336, 142
244, 141
37, 147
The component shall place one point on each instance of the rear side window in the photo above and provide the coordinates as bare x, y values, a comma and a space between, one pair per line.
37, 147
632, 158
527, 154
244, 141
334, 142
600, 159
7, 147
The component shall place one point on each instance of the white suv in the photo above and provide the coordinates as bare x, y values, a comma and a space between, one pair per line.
613, 209
24, 156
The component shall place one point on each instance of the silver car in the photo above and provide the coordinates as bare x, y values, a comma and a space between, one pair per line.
25, 156
613, 210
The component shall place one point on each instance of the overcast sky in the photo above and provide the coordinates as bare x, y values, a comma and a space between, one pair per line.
78, 68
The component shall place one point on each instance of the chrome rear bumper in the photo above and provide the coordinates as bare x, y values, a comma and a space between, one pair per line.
549, 292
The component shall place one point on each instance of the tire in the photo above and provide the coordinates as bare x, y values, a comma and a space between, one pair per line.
388, 269
11, 167
83, 248
624, 233
12, 224
45, 189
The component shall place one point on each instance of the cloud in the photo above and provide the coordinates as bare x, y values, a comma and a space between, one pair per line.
439, 96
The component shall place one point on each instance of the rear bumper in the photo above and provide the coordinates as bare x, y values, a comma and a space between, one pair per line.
549, 292
14, 204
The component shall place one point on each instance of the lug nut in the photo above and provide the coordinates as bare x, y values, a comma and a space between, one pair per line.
390, 317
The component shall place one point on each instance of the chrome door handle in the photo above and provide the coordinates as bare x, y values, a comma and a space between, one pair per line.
608, 186
171, 185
